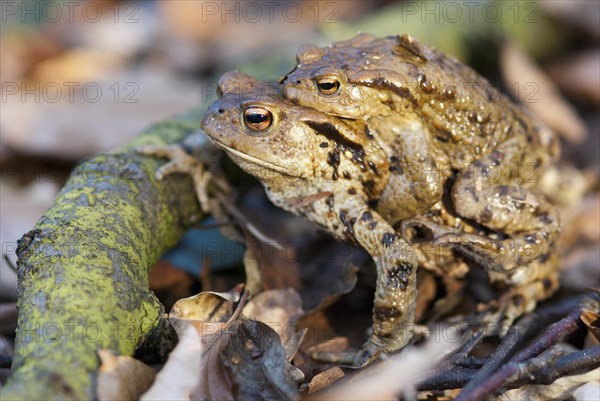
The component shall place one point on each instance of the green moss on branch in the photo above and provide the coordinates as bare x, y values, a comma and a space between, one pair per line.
83, 268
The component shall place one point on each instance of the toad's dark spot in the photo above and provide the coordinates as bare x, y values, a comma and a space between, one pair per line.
395, 165
384, 84
352, 191
346, 175
374, 168
372, 225
530, 239
333, 158
450, 92
503, 190
369, 187
347, 223
324, 144
388, 239
331, 132
366, 216
368, 133
383, 313
486, 215
547, 283
398, 276
471, 191
330, 201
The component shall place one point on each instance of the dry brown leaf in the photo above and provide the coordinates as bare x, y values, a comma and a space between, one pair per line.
537, 92
214, 382
324, 379
122, 378
208, 311
257, 363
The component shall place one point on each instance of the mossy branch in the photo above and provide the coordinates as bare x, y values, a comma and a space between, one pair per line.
83, 268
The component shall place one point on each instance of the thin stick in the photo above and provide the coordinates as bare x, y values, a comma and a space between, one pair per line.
489, 378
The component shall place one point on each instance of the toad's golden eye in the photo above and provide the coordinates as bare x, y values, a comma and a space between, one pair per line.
258, 118
328, 85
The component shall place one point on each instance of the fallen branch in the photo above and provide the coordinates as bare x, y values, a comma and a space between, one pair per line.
83, 268
531, 373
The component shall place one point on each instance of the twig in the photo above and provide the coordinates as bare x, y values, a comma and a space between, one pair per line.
9, 263
243, 221
447, 379
567, 365
486, 381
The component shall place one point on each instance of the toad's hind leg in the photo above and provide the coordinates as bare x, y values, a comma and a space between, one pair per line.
489, 193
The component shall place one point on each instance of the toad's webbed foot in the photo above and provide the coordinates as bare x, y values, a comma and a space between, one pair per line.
181, 161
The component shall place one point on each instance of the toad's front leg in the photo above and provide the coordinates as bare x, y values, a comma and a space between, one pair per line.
395, 293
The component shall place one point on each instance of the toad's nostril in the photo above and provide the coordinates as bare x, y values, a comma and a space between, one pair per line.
298, 82
221, 111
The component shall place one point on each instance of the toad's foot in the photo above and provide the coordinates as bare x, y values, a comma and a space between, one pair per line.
501, 315
181, 162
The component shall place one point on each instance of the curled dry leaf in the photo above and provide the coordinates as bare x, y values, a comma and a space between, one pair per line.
122, 377
257, 363
536, 91
207, 311
325, 379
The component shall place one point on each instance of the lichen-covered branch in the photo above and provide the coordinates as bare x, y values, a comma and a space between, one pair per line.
83, 268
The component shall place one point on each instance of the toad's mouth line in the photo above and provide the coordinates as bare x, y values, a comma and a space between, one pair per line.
280, 169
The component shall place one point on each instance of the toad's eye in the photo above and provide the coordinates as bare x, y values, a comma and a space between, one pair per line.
328, 86
258, 118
